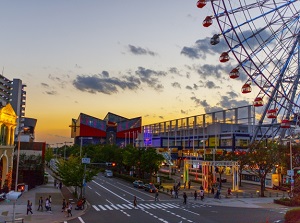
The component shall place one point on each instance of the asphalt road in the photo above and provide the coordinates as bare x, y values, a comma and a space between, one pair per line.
111, 201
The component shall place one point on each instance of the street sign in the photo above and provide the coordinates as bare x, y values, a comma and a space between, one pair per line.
290, 173
86, 160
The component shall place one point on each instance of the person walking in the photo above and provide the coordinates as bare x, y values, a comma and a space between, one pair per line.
134, 202
29, 207
47, 204
189, 184
156, 196
60, 185
64, 205
69, 209
40, 204
50, 203
202, 194
195, 195
184, 198
171, 191
176, 193
212, 190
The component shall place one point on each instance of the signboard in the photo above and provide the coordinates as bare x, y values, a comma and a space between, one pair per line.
85, 160
290, 173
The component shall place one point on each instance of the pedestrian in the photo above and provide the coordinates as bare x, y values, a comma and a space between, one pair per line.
195, 195
50, 202
69, 209
64, 205
217, 195
54, 182
202, 194
47, 204
176, 193
60, 185
189, 184
212, 190
184, 185
29, 207
57, 185
40, 204
171, 191
201, 187
156, 196
134, 202
184, 198
229, 192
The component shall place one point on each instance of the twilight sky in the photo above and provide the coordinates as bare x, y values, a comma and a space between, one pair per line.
132, 58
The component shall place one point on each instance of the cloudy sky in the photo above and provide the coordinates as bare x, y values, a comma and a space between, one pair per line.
132, 58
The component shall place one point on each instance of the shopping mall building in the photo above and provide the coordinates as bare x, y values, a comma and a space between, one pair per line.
188, 137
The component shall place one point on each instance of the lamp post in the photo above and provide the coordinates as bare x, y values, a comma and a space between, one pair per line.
81, 142
291, 166
65, 149
18, 160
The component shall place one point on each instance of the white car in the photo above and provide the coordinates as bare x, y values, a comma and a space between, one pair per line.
108, 173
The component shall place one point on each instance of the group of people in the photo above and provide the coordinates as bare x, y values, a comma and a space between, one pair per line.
47, 204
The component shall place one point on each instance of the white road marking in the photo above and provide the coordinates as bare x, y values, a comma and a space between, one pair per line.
96, 208
80, 219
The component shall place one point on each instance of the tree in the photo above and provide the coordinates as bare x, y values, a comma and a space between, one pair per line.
262, 160
150, 160
48, 155
72, 173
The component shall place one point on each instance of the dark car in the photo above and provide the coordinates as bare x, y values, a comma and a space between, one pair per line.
150, 187
138, 184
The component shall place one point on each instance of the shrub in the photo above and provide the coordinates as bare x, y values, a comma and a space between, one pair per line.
292, 216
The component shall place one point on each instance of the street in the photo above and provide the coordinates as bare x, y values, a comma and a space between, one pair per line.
111, 200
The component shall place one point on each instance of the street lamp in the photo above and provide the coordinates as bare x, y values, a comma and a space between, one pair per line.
65, 149
81, 139
18, 156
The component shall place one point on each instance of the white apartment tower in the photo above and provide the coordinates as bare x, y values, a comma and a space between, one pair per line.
13, 92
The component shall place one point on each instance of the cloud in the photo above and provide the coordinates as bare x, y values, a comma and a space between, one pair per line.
45, 85
150, 77
194, 87
51, 92
95, 83
103, 83
211, 85
202, 48
226, 102
140, 51
176, 85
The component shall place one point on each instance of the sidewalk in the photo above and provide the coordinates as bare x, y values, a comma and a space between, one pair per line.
55, 216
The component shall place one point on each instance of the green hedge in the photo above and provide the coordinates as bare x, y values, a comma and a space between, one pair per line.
288, 201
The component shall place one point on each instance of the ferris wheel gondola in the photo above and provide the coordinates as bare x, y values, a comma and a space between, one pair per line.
263, 37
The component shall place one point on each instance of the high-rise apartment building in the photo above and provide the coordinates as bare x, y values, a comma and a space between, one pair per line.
13, 92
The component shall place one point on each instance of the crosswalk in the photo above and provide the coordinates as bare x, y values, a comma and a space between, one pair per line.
110, 207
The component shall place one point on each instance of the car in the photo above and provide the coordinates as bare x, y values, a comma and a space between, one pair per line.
150, 188
108, 173
138, 184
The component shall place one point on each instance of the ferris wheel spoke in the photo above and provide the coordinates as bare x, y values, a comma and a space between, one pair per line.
263, 37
